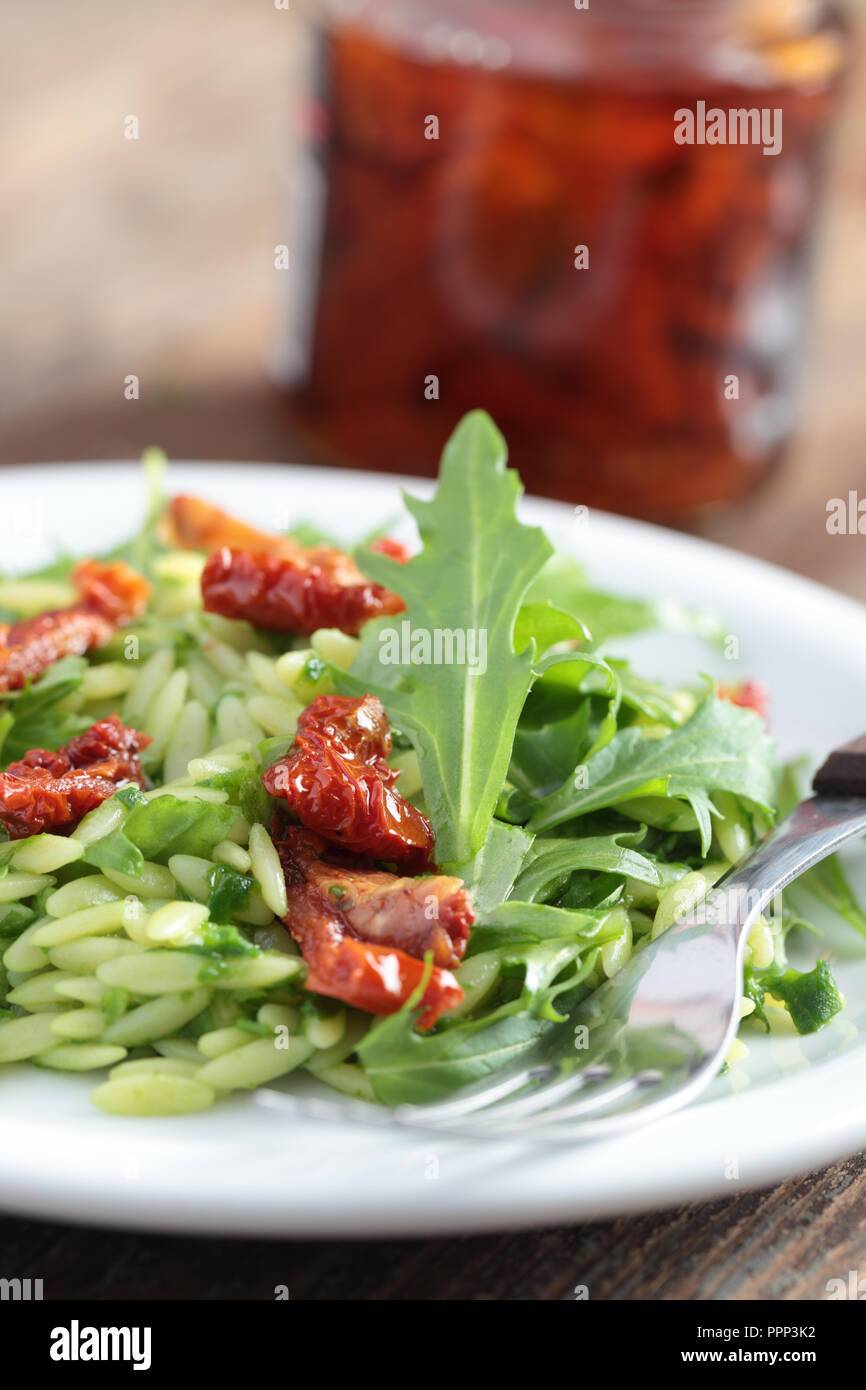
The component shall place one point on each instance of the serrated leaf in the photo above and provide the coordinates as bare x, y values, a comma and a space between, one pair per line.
720, 748
476, 563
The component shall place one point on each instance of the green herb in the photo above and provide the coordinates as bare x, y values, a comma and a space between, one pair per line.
220, 943
167, 826
244, 787
753, 989
252, 1025
114, 1002
811, 998
314, 679
229, 890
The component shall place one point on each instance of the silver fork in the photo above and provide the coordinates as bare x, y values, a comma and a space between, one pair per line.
651, 1039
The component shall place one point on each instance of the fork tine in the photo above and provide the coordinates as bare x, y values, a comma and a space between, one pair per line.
542, 1098
600, 1098
469, 1105
612, 1098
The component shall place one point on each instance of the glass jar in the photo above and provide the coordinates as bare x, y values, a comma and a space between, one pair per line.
595, 223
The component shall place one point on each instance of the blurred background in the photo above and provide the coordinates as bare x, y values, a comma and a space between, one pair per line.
322, 232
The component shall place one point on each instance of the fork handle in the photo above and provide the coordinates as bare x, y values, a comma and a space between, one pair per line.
844, 772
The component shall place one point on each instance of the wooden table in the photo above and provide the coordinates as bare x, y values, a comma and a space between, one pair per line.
140, 250
782, 1244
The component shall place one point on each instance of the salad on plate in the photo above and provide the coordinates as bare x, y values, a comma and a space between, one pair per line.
387, 817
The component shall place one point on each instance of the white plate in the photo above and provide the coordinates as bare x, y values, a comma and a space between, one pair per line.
793, 1103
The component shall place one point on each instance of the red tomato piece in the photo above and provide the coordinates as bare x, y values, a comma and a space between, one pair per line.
53, 790
111, 594
337, 781
749, 695
361, 933
274, 582
281, 594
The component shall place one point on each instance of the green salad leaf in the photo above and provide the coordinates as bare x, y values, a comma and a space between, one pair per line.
159, 828
605, 615
489, 875
720, 748
36, 717
406, 1066
469, 578
551, 862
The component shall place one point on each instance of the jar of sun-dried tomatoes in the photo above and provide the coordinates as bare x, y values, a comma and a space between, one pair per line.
593, 219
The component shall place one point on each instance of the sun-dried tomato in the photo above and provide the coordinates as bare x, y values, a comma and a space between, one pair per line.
429, 913
286, 595
272, 581
30, 647
114, 589
748, 695
53, 790
363, 933
337, 781
111, 594
193, 524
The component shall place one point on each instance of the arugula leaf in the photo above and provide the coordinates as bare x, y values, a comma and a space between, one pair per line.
829, 883
647, 697
406, 1066
470, 576
721, 747
488, 876
139, 552
561, 722
547, 626
513, 923
545, 952
551, 862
